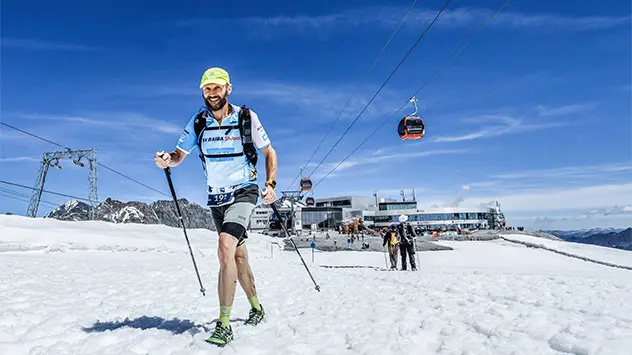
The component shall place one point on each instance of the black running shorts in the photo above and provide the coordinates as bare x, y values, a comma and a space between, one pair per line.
235, 217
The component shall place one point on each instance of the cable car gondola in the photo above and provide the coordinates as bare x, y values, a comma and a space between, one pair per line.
309, 201
306, 184
412, 126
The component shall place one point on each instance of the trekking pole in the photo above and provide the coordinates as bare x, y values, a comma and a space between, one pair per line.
276, 212
385, 258
417, 254
173, 193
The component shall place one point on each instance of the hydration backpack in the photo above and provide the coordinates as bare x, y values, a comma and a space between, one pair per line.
245, 130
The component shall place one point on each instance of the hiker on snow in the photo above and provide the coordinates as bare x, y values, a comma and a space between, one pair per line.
391, 238
407, 244
228, 137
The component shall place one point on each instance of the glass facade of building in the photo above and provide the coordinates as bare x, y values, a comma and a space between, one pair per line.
435, 217
338, 203
396, 206
322, 217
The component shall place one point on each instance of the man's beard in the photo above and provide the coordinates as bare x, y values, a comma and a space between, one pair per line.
218, 104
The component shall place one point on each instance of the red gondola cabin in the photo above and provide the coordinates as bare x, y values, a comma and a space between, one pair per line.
306, 184
411, 127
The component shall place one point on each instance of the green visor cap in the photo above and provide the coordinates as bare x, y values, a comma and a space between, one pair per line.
215, 76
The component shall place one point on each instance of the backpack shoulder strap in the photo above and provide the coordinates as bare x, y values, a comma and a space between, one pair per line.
245, 124
245, 129
198, 126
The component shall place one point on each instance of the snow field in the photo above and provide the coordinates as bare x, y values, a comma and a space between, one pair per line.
482, 298
596, 252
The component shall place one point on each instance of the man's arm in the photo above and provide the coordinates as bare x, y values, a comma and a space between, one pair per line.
269, 195
177, 156
262, 142
164, 159
271, 162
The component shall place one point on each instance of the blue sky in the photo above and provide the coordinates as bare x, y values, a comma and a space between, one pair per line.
534, 112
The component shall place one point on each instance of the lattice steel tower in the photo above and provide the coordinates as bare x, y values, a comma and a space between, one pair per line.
52, 159
293, 197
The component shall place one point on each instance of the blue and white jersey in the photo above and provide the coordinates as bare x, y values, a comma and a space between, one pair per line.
225, 174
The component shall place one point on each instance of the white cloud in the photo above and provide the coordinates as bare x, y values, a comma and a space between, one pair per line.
565, 221
308, 99
35, 44
560, 22
506, 125
482, 185
389, 16
613, 210
390, 193
455, 202
19, 159
114, 120
549, 200
374, 159
154, 91
564, 110
325, 102
469, 16
568, 172
8, 134
595, 213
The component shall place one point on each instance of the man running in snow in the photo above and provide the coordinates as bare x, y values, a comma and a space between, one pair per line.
232, 187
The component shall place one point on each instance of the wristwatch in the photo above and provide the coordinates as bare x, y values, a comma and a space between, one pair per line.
271, 183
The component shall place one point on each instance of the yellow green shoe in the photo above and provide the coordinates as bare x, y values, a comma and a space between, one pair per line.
255, 316
222, 335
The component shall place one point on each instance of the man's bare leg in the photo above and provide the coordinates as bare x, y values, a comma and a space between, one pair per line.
244, 272
227, 282
247, 282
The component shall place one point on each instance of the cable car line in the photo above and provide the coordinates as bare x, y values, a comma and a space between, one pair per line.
33, 135
18, 197
98, 163
16, 194
439, 69
388, 42
384, 83
47, 191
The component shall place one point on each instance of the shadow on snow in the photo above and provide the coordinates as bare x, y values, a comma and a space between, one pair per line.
175, 326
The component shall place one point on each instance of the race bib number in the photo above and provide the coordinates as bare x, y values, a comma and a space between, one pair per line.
215, 200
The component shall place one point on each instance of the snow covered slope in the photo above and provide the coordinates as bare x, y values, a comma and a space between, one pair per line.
101, 288
595, 252
22, 233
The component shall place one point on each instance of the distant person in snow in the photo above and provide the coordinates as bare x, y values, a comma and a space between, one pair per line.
407, 246
391, 239
228, 138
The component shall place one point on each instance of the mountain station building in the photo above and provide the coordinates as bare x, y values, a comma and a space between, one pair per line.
329, 213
